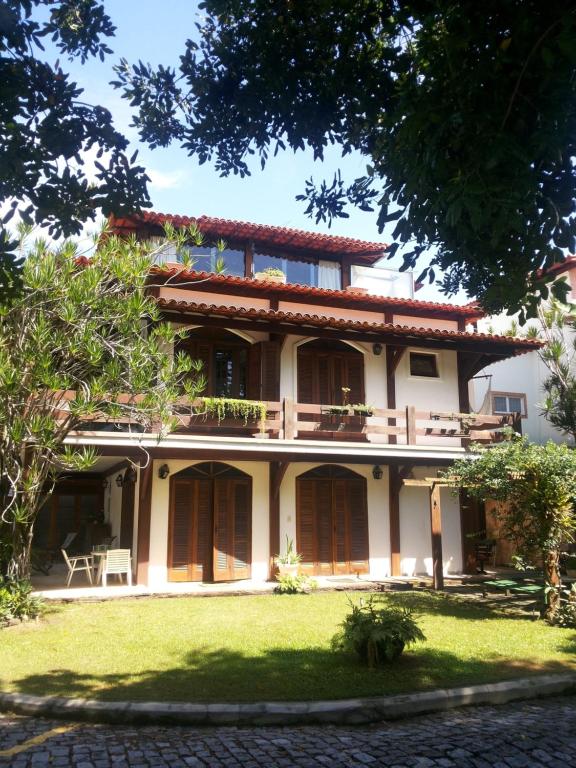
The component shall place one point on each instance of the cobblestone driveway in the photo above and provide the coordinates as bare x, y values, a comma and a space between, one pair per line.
512, 736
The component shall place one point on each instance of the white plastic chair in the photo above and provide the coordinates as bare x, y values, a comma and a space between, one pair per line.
77, 564
117, 561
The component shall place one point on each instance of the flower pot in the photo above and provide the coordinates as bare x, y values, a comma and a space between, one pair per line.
270, 278
388, 650
285, 569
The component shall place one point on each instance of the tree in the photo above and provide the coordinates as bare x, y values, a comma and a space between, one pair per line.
556, 328
46, 128
535, 486
465, 112
83, 342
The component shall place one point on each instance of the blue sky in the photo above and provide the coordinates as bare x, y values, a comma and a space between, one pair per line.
155, 31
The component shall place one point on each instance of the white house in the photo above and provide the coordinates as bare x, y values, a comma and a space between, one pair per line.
216, 500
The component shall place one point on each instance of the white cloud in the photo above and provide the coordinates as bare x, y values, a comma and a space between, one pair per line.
165, 179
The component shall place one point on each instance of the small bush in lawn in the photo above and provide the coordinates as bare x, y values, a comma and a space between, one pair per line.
17, 602
378, 634
294, 584
565, 614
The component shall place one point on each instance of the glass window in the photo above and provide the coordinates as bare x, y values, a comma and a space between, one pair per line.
297, 272
423, 365
205, 257
509, 403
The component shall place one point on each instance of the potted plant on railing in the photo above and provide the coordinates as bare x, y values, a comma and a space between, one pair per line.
289, 561
230, 408
361, 409
272, 274
340, 410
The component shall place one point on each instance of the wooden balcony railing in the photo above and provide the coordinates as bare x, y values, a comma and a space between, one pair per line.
408, 426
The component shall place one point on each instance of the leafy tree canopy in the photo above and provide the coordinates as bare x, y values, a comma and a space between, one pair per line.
46, 128
536, 486
71, 353
464, 110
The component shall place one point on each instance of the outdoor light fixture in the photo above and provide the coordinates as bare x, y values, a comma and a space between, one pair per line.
163, 471
377, 472
119, 480
377, 348
130, 475
105, 483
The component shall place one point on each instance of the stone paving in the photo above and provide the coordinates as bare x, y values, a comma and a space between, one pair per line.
519, 735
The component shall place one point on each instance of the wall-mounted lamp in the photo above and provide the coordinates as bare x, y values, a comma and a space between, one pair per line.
163, 471
377, 348
119, 480
105, 483
130, 475
377, 472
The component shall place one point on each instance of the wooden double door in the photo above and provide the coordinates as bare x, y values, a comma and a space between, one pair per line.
332, 521
210, 527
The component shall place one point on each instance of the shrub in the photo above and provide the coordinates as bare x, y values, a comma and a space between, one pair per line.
294, 584
377, 634
565, 614
17, 602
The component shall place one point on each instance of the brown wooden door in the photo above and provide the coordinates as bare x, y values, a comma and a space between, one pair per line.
210, 530
190, 530
232, 528
332, 525
323, 372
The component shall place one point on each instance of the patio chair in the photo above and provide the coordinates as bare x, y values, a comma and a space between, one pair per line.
77, 563
118, 561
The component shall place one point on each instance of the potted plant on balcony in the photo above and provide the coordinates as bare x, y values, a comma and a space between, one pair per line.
340, 410
289, 561
361, 409
231, 408
272, 274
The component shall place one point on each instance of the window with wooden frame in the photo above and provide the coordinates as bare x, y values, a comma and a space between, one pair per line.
325, 369
509, 402
424, 364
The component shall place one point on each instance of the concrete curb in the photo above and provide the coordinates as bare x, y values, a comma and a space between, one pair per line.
340, 712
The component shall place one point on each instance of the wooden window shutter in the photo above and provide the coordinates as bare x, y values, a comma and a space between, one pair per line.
232, 528
341, 520
202, 539
253, 373
306, 367
355, 378
324, 368
324, 525
270, 371
357, 525
242, 522
305, 522
180, 530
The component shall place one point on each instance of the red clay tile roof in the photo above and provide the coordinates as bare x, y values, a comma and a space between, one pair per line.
306, 294
511, 345
262, 234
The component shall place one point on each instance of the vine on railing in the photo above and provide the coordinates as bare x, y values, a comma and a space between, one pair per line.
231, 408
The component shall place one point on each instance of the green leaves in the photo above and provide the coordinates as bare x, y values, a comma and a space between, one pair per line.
465, 113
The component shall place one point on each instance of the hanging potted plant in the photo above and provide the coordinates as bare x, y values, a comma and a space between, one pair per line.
289, 561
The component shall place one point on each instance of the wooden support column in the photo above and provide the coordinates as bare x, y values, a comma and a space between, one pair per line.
144, 515
277, 470
393, 357
436, 527
394, 485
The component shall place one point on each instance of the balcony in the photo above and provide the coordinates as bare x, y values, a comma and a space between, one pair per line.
289, 420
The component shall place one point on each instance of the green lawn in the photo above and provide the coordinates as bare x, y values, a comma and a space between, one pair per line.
262, 647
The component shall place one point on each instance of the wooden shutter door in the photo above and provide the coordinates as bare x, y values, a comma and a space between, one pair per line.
127, 515
314, 525
355, 378
305, 522
324, 378
270, 371
232, 528
341, 516
359, 549
306, 393
189, 529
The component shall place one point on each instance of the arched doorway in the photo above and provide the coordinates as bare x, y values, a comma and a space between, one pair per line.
332, 521
210, 524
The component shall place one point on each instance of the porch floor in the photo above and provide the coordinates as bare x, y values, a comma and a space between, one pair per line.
53, 586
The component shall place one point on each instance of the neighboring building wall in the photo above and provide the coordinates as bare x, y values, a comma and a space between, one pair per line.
415, 534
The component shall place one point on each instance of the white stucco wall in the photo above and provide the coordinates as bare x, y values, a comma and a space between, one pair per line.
415, 533
258, 471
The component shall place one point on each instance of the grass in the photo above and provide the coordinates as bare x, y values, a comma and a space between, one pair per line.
263, 647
